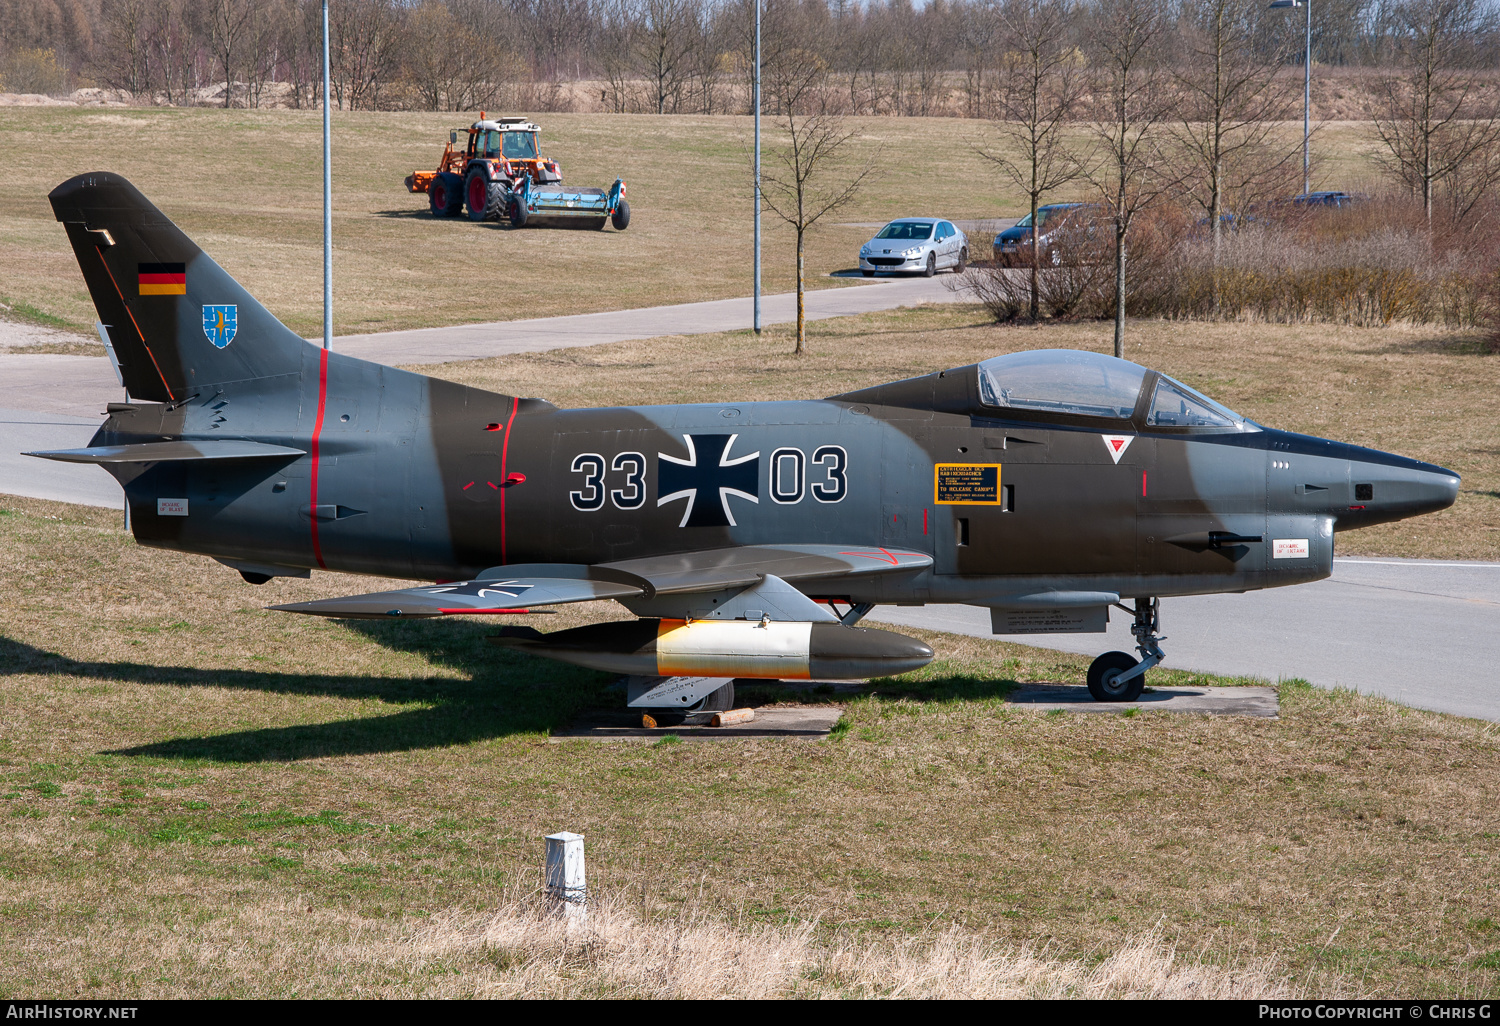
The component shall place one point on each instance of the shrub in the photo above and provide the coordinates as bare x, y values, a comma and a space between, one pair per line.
31, 70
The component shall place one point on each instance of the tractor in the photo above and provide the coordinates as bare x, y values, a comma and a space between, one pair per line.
501, 174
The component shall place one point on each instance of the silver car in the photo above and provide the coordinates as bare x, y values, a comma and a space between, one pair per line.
922, 244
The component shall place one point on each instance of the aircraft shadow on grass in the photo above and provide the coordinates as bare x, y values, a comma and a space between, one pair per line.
503, 693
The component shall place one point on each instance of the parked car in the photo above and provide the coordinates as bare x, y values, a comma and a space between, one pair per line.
1330, 198
922, 244
1062, 226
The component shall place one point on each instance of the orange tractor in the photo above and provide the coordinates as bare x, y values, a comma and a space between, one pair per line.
501, 173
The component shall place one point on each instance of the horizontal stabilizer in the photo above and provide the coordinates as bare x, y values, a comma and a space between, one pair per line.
489, 595
155, 452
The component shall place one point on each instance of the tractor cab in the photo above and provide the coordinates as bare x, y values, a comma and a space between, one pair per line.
505, 139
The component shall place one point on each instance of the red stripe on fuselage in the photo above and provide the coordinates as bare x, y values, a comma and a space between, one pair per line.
316, 434
504, 453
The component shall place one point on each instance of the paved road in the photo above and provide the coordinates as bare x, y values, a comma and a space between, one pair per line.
472, 341
1424, 633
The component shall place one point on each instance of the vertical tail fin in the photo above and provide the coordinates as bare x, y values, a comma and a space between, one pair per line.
176, 319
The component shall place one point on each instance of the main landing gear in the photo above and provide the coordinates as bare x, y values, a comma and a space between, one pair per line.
1116, 676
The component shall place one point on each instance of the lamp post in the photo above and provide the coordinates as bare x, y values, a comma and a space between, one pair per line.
757, 167
1306, 88
327, 200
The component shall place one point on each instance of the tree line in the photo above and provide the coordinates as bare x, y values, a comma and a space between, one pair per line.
656, 56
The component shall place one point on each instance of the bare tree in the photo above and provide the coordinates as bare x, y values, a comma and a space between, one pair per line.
124, 62
229, 25
1438, 124
448, 64
365, 42
1230, 107
1038, 97
1134, 102
664, 45
805, 178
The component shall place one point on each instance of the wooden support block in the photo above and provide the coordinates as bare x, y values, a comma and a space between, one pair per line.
733, 716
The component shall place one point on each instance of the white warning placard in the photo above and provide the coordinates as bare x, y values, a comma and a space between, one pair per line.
171, 507
1289, 548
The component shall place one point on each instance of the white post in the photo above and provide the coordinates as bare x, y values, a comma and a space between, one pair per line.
566, 885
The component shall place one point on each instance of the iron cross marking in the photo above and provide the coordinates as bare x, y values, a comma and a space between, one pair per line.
707, 474
481, 589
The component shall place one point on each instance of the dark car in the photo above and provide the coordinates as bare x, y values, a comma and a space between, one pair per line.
1057, 222
1330, 198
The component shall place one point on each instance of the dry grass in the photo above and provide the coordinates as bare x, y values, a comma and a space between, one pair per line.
1425, 393
245, 185
198, 797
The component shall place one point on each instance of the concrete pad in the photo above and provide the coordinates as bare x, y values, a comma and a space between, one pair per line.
1249, 701
26, 431
795, 721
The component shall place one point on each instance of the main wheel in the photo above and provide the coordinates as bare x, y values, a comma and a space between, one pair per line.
445, 194
477, 194
621, 217
931, 268
1102, 674
721, 700
963, 261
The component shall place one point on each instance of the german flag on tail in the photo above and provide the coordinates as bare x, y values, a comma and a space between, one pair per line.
162, 279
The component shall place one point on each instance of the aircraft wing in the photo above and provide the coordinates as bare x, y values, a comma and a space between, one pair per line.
715, 569
506, 593
504, 589
155, 452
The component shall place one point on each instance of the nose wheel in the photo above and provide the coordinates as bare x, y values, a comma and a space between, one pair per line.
1118, 676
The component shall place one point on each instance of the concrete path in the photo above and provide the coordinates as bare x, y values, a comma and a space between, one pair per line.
1423, 633
499, 338
26, 430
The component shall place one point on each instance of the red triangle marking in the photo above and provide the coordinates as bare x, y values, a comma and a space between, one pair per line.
1115, 443
884, 557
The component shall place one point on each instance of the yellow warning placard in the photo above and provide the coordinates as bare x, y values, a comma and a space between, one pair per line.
966, 483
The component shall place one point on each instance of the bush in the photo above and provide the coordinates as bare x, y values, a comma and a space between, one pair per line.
31, 71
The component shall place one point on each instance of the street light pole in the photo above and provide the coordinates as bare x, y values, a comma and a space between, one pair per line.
1306, 91
757, 167
327, 199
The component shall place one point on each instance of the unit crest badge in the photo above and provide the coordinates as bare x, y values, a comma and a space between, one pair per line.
219, 324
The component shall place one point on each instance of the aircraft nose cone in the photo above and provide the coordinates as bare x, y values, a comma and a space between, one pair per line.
1383, 493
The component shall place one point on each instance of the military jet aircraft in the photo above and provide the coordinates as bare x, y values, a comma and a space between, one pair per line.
748, 539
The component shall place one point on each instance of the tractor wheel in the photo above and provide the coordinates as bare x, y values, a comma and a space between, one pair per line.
497, 201
621, 217
518, 212
476, 194
445, 194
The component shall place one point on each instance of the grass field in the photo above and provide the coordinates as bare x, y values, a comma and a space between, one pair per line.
203, 798
1424, 393
246, 186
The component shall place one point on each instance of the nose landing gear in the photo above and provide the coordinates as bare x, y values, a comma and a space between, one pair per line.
1118, 677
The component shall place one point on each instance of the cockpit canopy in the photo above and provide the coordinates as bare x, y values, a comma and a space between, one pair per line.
1083, 384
